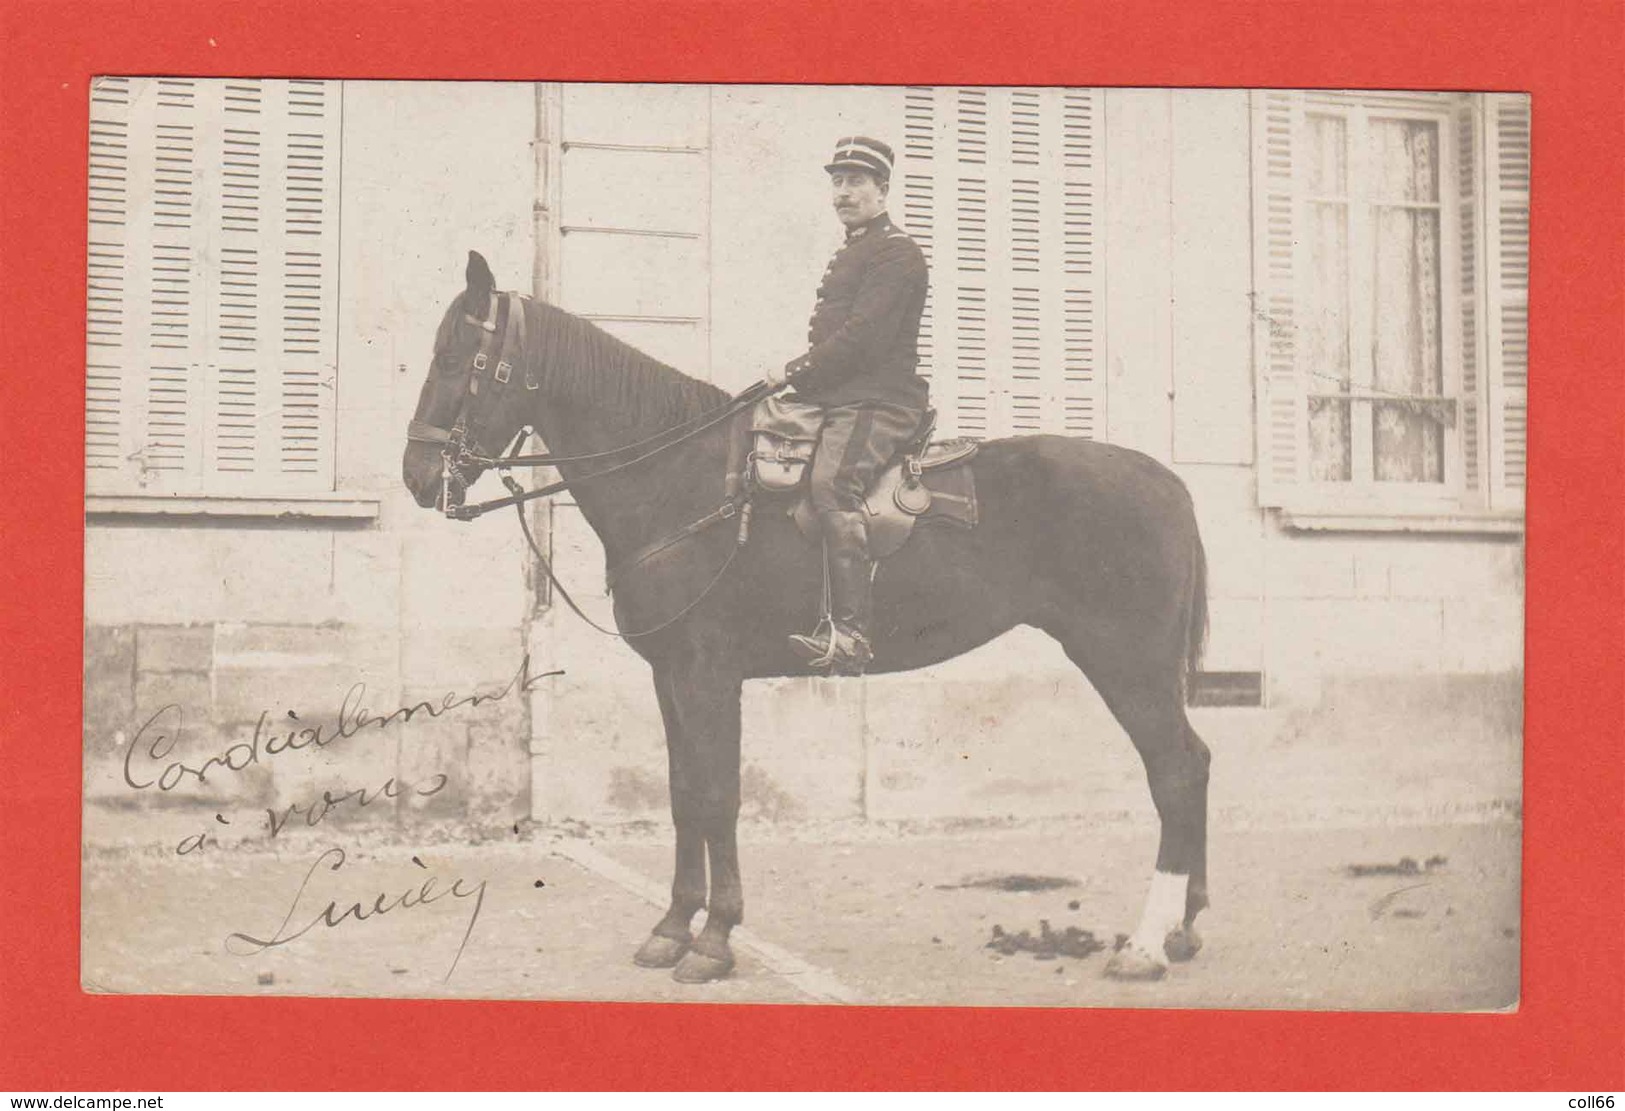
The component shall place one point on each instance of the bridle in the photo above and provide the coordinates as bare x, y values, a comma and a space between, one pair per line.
460, 447
502, 337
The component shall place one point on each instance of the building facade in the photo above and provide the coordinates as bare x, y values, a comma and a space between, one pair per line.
1310, 305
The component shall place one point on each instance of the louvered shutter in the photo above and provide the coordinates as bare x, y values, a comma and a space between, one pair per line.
1506, 300
919, 216
1083, 130
1277, 263
213, 280
967, 267
999, 188
146, 309
1473, 443
112, 409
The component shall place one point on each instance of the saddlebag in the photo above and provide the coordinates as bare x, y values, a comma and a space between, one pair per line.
782, 441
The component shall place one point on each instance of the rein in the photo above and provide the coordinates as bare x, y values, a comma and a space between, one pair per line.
729, 509
456, 453
750, 396
736, 505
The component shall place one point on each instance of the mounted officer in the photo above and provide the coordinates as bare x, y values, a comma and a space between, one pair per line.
857, 377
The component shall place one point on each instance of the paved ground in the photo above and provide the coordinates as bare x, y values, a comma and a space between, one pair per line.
841, 914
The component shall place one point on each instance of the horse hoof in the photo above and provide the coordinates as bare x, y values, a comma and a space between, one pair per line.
697, 968
1134, 964
1182, 944
661, 952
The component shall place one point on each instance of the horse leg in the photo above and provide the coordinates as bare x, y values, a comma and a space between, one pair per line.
1148, 701
710, 957
705, 698
671, 936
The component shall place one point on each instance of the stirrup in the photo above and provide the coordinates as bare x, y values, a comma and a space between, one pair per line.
818, 648
831, 654
814, 652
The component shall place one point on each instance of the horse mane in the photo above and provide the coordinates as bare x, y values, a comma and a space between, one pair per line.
585, 367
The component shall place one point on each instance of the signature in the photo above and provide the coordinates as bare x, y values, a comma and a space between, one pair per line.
157, 738
331, 916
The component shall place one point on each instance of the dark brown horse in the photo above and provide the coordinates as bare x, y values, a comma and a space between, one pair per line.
1094, 544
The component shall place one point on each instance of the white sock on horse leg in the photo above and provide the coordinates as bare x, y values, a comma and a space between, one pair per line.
1164, 911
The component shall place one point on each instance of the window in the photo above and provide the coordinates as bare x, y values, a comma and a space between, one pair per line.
1000, 188
213, 232
1391, 269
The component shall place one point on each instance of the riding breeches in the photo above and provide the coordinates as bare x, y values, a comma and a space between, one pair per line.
854, 446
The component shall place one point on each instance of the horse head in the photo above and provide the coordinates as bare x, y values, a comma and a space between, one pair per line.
466, 407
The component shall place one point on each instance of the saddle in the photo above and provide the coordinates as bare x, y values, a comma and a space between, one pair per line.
928, 481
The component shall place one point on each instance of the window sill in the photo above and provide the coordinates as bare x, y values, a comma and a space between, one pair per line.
326, 507
1482, 524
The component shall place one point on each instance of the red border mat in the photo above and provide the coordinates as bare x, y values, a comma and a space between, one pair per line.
1569, 1030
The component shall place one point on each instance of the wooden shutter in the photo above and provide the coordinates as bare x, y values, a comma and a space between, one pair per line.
967, 269
111, 406
1083, 132
919, 217
1277, 264
999, 187
1506, 293
212, 314
1468, 176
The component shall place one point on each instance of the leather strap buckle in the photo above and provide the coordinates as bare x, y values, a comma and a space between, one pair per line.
504, 371
480, 361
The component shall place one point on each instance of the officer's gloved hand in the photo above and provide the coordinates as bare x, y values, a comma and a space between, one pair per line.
800, 365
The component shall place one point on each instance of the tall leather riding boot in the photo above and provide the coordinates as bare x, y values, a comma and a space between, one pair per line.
843, 645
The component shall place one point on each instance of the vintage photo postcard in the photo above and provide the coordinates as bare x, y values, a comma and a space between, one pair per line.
945, 546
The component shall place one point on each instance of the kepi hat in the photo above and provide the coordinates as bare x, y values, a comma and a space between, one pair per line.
859, 152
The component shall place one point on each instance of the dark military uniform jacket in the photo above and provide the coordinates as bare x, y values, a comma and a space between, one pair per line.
865, 327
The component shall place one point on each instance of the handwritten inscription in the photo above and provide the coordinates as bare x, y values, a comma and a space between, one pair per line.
151, 753
339, 911
313, 812
159, 757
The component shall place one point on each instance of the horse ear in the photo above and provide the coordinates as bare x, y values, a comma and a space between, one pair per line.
480, 282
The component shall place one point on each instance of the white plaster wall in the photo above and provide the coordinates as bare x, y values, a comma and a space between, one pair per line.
769, 230
1211, 278
430, 170
1300, 608
1138, 231
772, 226
229, 618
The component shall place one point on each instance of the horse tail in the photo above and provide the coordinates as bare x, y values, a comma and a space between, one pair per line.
1196, 618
